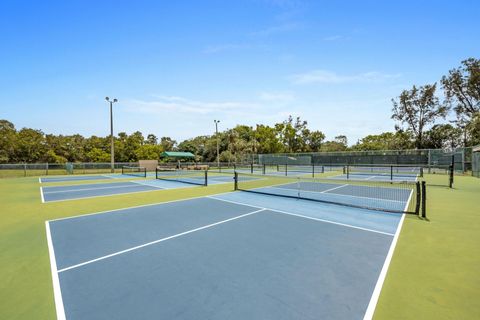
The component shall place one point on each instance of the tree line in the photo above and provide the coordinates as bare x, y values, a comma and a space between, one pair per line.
417, 112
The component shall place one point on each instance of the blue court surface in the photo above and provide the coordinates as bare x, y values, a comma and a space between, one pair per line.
62, 193
88, 177
231, 256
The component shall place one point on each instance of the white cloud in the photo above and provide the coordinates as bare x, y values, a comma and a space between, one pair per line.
277, 96
163, 104
324, 76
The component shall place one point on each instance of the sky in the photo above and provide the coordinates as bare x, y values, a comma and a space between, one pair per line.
175, 66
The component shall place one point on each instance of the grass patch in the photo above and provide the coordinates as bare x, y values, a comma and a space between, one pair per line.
434, 271
433, 275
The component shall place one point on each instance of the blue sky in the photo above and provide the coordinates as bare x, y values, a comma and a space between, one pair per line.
175, 66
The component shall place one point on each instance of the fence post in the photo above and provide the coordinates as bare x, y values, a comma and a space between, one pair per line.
24, 169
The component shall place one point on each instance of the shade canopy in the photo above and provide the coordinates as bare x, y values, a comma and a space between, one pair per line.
177, 154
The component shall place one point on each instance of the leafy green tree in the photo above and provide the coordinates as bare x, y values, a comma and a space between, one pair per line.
330, 146
417, 109
313, 140
267, 139
30, 145
8, 137
148, 152
151, 139
442, 136
52, 157
167, 143
399, 140
473, 130
97, 155
290, 134
462, 88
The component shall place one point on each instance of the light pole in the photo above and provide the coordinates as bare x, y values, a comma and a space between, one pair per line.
218, 147
112, 148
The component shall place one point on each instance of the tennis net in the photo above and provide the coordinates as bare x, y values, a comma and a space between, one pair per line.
389, 171
196, 177
392, 196
134, 171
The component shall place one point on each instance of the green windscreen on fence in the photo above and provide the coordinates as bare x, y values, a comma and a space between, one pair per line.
476, 164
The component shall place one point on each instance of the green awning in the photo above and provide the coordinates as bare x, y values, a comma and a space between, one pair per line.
177, 154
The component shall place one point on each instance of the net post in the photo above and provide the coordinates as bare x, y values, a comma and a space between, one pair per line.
313, 170
251, 168
424, 200
123, 167
418, 198
235, 180
145, 172
348, 171
46, 167
391, 173
450, 176
206, 178
286, 169
156, 173
264, 169
421, 172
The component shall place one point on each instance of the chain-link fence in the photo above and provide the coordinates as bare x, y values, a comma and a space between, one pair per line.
45, 169
430, 158
476, 162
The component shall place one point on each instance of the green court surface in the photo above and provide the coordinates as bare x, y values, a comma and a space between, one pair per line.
433, 273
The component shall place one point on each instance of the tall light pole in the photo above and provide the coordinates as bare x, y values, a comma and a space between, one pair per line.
112, 148
218, 147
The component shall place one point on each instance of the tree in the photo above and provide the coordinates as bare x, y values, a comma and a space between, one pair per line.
473, 130
97, 155
443, 136
267, 139
167, 143
399, 140
313, 140
31, 145
330, 146
151, 139
462, 88
418, 108
148, 152
8, 136
462, 91
290, 134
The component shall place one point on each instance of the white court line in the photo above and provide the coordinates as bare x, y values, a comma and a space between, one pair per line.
334, 188
41, 195
57, 293
89, 189
383, 273
159, 240
305, 217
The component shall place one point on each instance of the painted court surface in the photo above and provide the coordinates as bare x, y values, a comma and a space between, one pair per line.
231, 256
71, 192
